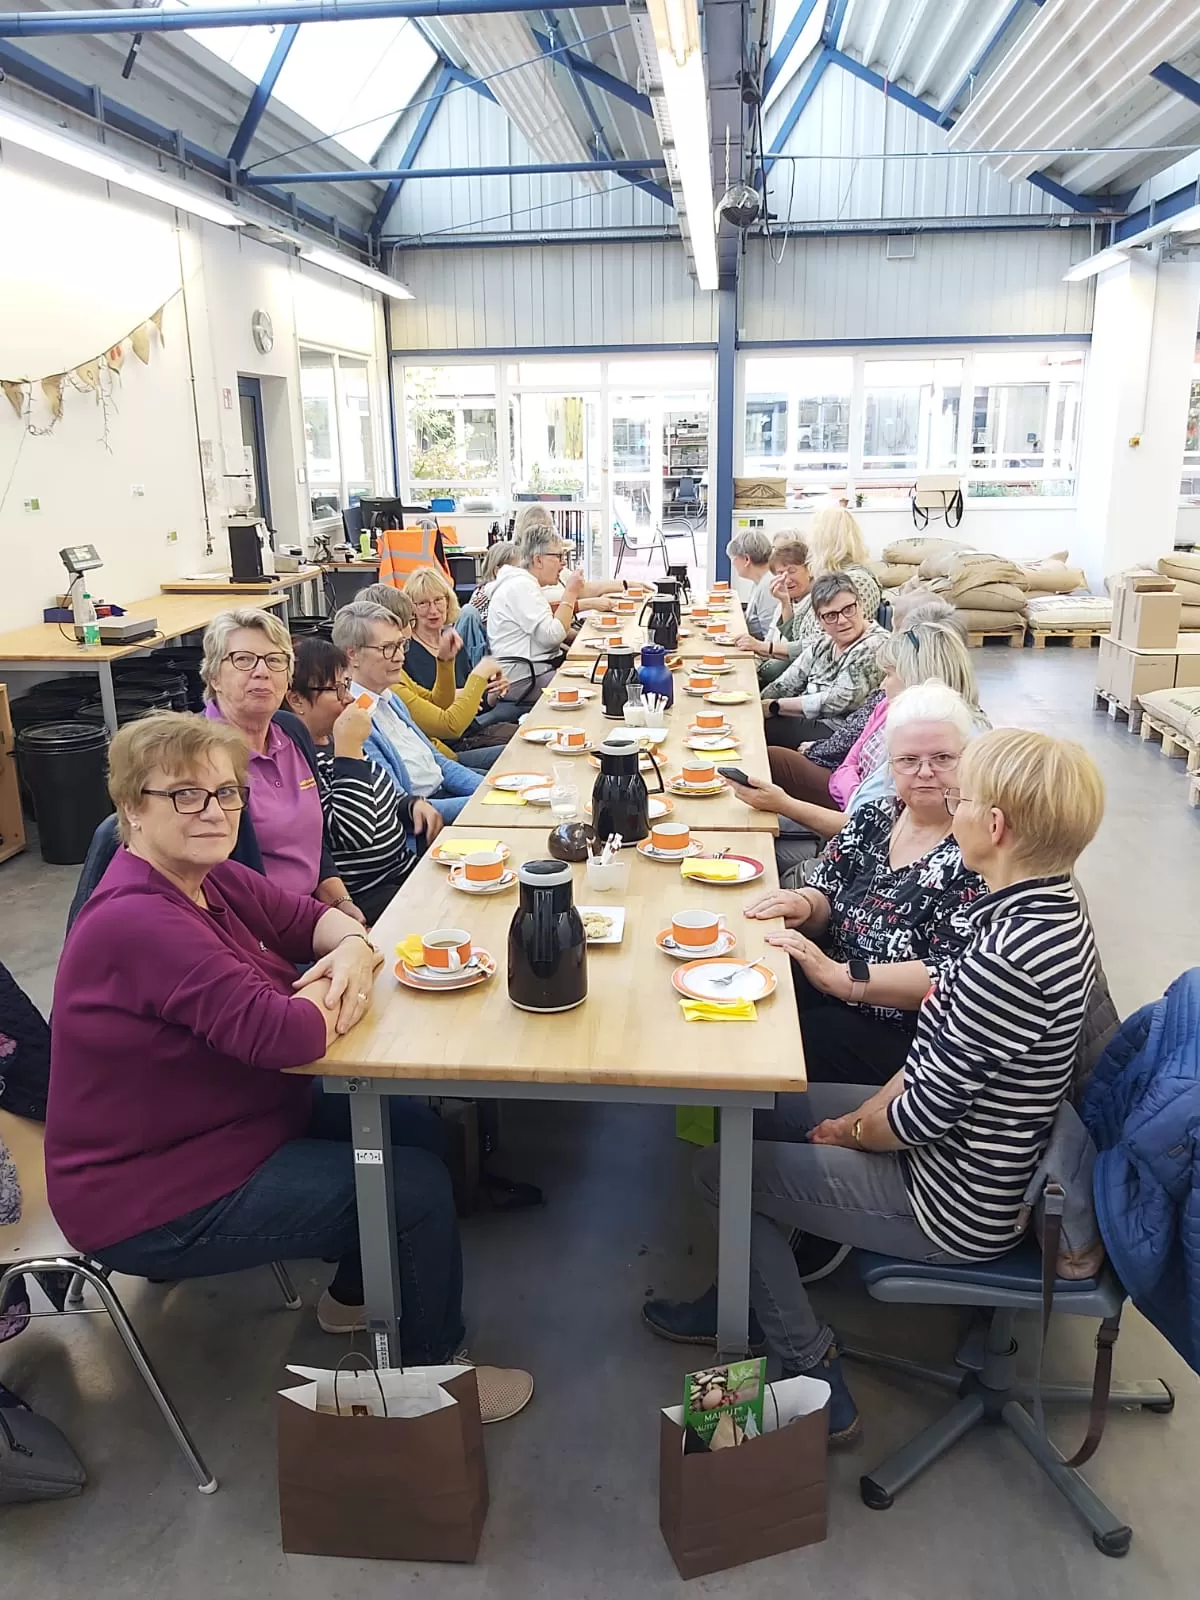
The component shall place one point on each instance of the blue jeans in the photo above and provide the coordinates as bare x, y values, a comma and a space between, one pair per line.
449, 808
479, 759
300, 1205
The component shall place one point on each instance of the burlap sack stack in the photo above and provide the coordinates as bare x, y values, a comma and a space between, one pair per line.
902, 560
1184, 567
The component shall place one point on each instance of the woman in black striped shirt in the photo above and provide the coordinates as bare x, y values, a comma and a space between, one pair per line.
932, 1167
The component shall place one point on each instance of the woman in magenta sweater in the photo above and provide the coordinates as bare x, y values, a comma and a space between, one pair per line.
177, 1145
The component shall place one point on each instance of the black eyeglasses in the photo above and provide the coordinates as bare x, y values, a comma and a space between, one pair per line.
341, 688
389, 652
246, 660
191, 802
844, 615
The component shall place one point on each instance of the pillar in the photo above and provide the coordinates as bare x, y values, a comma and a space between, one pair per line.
721, 458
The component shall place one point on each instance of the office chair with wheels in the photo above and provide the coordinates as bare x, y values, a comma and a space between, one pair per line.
992, 1393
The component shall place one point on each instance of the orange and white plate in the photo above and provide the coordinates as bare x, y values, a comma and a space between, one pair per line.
725, 941
659, 808
712, 741
749, 871
557, 746
481, 968
454, 857
645, 848
541, 735
514, 782
698, 791
576, 672
496, 886
575, 705
696, 980
727, 697
643, 761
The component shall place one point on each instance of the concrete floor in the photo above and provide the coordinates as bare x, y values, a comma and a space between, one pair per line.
574, 1480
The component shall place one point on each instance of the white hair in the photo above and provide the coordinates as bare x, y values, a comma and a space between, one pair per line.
927, 702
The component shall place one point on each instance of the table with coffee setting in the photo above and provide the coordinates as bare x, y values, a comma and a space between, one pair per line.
688, 628
509, 974
561, 739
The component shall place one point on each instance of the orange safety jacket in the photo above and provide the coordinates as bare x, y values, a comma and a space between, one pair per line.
403, 550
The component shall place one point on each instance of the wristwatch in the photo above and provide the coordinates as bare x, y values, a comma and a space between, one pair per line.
860, 977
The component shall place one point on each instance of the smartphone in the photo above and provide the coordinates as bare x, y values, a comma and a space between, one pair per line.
736, 775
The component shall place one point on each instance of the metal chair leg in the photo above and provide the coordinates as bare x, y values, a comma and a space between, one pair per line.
205, 1481
75, 1292
287, 1288
1110, 1535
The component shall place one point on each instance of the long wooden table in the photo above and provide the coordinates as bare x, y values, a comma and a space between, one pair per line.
51, 647
693, 641
722, 811
627, 1042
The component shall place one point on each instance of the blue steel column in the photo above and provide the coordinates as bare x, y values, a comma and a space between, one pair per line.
727, 311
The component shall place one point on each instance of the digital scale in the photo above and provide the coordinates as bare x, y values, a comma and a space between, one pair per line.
81, 558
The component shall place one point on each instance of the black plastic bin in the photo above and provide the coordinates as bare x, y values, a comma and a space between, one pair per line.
65, 765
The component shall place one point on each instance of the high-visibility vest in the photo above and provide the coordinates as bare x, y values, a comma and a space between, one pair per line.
403, 550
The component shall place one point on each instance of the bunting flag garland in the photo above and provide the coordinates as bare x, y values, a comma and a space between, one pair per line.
96, 376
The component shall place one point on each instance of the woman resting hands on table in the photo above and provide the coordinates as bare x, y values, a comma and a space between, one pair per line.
933, 1167
177, 1142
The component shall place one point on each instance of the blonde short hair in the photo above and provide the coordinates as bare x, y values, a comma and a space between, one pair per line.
225, 625
1049, 790
176, 743
427, 583
836, 540
789, 550
393, 600
932, 646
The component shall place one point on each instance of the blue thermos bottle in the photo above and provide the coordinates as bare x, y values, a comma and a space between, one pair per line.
655, 674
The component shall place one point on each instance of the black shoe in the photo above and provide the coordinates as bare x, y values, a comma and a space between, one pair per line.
817, 1258
695, 1321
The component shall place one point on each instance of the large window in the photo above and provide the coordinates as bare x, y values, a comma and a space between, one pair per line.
452, 423
1189, 486
339, 430
865, 425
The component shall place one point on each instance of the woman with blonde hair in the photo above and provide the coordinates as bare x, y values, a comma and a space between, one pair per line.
437, 612
836, 543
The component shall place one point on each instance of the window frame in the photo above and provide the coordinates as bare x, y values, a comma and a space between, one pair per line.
376, 403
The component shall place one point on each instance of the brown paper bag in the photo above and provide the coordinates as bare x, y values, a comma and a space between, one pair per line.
391, 1488
767, 1495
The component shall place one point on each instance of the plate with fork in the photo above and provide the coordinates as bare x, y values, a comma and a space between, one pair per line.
718, 978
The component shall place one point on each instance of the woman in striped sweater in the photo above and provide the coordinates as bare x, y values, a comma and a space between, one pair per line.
932, 1167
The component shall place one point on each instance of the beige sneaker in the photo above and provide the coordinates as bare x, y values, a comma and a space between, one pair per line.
333, 1317
503, 1391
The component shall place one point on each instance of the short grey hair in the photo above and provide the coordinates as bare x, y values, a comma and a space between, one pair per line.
352, 623
227, 623
537, 541
929, 702
393, 600
753, 544
531, 517
828, 586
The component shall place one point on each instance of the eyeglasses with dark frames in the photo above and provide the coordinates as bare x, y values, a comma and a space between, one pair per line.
247, 660
341, 688
844, 615
191, 802
389, 652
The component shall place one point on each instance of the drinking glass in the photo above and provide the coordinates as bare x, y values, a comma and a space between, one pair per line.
564, 794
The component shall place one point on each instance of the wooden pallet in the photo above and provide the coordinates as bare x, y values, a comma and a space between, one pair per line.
1132, 714
1173, 744
1079, 638
1013, 637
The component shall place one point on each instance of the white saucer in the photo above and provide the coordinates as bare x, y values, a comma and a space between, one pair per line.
461, 883
724, 943
645, 848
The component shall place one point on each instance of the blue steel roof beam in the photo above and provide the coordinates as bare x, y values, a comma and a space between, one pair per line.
79, 96
796, 110
835, 15
1177, 81
256, 13
262, 93
787, 44
1157, 211
619, 164
417, 138
591, 73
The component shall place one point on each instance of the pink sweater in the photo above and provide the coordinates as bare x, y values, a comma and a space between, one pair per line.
171, 1027
844, 780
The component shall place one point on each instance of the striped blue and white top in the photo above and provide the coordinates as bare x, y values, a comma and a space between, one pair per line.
991, 1061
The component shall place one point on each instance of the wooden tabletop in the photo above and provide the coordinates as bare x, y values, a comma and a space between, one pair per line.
630, 1029
692, 641
174, 614
221, 583
722, 811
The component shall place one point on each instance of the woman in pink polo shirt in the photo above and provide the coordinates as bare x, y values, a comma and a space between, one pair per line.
247, 666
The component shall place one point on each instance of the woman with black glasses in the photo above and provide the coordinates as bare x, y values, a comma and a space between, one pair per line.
368, 821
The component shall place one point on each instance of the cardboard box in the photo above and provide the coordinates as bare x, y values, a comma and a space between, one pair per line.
1104, 664
1144, 618
1187, 669
760, 494
1135, 672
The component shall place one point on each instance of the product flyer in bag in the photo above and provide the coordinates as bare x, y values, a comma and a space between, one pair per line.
729, 1396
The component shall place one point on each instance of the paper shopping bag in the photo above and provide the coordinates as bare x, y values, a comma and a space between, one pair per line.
391, 1466
721, 1508
696, 1124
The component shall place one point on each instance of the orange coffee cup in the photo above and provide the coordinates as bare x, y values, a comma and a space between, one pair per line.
699, 613
700, 680
614, 639
710, 721
486, 866
715, 628
567, 697
712, 659
671, 836
573, 738
446, 949
624, 607
698, 930
699, 771
719, 588
609, 620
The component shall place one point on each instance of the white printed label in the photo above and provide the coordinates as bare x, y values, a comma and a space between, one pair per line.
368, 1158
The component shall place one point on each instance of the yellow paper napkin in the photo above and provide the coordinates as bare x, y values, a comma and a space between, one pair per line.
725, 750
723, 1011
500, 797
465, 847
411, 950
710, 870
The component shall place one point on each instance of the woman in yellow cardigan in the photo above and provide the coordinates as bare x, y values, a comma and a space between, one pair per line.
445, 712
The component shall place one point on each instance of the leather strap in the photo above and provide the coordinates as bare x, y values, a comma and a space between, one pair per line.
1106, 1336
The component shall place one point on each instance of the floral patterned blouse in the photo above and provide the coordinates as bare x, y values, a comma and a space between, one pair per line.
883, 914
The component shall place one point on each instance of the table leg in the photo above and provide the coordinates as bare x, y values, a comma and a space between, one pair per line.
108, 699
371, 1134
733, 1232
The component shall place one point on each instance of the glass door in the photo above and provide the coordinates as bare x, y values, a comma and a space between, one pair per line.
554, 441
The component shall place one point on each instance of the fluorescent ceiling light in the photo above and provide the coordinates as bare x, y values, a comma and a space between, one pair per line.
100, 162
347, 267
1112, 257
676, 25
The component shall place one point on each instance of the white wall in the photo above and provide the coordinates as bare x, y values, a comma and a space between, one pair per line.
61, 303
